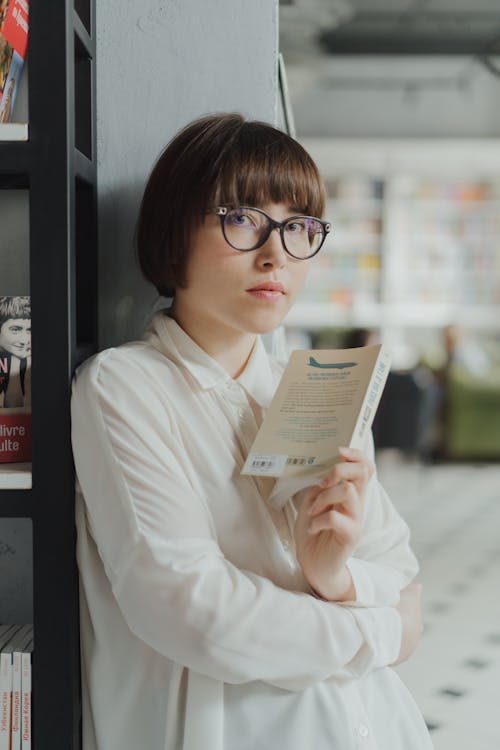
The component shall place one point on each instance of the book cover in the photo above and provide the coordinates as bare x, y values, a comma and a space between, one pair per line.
13, 45
24, 642
326, 399
26, 697
15, 379
17, 636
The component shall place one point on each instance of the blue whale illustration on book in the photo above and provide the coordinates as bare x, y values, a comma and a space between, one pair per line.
334, 366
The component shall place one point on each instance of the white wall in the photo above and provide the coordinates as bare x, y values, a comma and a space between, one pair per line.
160, 65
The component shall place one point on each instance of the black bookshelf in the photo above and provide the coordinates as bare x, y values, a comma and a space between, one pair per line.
57, 164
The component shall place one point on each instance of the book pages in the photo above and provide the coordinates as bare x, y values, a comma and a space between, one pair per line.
326, 399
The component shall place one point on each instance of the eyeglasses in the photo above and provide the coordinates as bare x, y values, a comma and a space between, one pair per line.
246, 228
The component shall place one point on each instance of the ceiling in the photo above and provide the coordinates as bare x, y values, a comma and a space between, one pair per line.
389, 27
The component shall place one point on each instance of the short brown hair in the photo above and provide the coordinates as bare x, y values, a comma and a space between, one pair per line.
220, 159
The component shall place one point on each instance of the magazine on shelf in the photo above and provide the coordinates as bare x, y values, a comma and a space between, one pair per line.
17, 638
327, 398
13, 45
15, 379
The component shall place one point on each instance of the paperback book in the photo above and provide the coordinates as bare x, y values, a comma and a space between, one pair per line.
326, 399
15, 379
13, 45
15, 644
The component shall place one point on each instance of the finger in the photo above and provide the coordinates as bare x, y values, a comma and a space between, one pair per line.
359, 472
351, 454
334, 522
344, 496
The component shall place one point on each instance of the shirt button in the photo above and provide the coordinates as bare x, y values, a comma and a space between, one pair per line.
363, 731
285, 543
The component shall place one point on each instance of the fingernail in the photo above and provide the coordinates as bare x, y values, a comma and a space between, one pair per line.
345, 449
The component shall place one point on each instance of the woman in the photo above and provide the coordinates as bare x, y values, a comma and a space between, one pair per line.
210, 620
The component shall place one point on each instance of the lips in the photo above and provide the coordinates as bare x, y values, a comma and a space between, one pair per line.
268, 292
268, 286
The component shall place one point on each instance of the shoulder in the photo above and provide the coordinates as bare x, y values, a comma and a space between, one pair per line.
133, 371
113, 362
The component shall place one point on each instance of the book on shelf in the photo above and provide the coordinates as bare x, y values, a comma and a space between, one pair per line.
15, 379
26, 702
327, 398
15, 642
13, 45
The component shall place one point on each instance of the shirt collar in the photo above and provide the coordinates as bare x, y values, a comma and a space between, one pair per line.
166, 335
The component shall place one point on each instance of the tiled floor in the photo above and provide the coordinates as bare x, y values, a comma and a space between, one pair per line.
454, 515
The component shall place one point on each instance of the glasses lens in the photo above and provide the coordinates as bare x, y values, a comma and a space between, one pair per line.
303, 236
244, 227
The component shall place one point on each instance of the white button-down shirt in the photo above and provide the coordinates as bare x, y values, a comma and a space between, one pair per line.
199, 631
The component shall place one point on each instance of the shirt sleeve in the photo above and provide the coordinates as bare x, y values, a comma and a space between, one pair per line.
383, 563
175, 589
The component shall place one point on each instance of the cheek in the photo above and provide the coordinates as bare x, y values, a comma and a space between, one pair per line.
299, 274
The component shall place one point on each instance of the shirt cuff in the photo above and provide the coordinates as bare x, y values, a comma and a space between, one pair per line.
375, 585
382, 629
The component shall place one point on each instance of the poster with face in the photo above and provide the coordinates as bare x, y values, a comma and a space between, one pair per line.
15, 379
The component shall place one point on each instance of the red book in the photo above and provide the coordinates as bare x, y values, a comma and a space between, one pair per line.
13, 45
15, 435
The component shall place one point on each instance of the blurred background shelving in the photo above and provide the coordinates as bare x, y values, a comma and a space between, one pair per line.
399, 104
415, 242
398, 101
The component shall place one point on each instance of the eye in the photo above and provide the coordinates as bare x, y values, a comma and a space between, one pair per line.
297, 226
241, 218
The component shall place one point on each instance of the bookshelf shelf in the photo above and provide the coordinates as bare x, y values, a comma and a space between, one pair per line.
316, 315
13, 131
53, 158
15, 476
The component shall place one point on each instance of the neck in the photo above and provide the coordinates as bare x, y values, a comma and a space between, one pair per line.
230, 348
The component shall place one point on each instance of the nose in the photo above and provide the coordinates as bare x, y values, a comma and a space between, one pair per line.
272, 254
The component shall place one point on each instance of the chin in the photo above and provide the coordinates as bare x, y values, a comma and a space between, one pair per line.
266, 325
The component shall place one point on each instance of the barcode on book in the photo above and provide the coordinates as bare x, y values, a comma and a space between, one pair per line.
265, 464
300, 460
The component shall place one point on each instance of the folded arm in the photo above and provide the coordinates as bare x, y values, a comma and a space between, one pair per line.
176, 590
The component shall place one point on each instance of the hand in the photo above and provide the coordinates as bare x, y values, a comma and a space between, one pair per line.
329, 524
409, 608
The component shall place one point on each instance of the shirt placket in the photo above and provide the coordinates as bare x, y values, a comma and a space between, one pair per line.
244, 421
360, 728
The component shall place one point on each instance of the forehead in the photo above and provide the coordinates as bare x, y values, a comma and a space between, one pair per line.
17, 323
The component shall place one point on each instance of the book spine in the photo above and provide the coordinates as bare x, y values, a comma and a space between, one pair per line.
371, 399
26, 701
16, 701
5, 699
